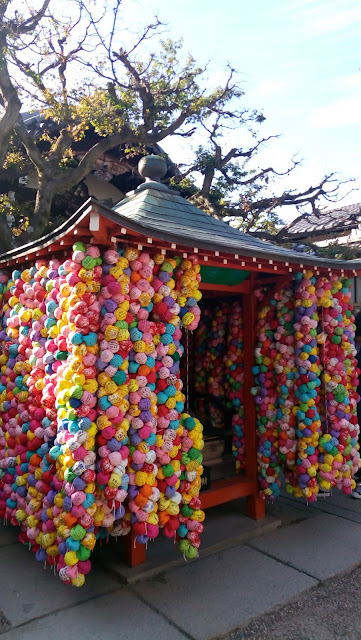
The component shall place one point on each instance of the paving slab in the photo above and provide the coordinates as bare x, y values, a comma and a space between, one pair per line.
339, 501
8, 535
116, 616
321, 547
223, 591
338, 505
28, 591
289, 511
329, 507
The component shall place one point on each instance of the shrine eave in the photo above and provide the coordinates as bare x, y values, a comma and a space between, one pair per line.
96, 223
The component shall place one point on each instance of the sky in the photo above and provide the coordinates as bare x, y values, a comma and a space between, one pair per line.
299, 62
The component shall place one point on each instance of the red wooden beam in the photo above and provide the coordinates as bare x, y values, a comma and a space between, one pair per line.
227, 490
242, 287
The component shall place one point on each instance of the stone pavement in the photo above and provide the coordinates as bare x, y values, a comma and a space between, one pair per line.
245, 570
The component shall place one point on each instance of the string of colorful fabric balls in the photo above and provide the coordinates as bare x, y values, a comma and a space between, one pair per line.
218, 363
306, 387
94, 439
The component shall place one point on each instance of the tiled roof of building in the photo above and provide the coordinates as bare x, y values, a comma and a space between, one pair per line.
331, 221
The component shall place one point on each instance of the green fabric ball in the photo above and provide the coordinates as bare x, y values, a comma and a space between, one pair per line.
168, 470
69, 476
191, 553
61, 355
83, 553
78, 532
186, 511
88, 262
79, 246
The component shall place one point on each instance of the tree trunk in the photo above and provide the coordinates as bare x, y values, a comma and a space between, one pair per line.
6, 237
42, 209
9, 100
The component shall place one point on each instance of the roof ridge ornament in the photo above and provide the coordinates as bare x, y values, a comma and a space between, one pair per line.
153, 168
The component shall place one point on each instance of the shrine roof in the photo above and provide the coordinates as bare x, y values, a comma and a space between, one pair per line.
153, 213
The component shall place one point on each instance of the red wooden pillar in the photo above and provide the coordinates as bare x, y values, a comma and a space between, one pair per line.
134, 553
255, 504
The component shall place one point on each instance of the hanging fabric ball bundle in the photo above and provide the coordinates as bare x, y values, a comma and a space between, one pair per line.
76, 398
170, 399
285, 368
202, 354
191, 515
113, 393
266, 401
233, 362
187, 280
143, 492
307, 385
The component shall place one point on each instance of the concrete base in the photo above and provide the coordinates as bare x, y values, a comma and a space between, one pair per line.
226, 527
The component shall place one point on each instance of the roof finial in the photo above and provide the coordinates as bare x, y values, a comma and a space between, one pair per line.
152, 168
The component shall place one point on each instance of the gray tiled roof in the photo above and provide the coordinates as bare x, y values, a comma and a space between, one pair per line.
154, 210
342, 218
159, 209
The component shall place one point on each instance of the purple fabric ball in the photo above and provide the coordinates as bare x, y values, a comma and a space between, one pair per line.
142, 539
164, 276
133, 518
110, 305
170, 302
67, 503
145, 416
175, 368
50, 496
114, 445
170, 492
78, 484
119, 513
31, 480
132, 492
305, 478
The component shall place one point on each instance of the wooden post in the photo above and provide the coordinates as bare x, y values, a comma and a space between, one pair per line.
134, 552
255, 504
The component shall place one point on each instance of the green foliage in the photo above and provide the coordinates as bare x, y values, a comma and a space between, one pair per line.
186, 187
339, 251
18, 214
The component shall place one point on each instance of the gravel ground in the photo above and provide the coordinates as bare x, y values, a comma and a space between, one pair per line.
330, 611
4, 623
